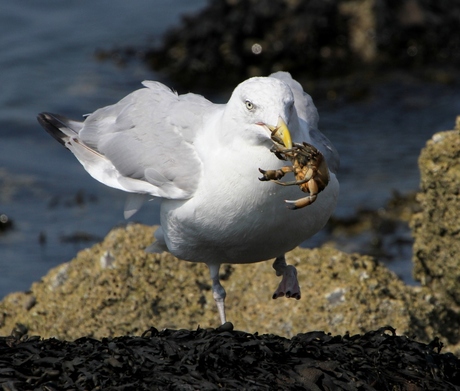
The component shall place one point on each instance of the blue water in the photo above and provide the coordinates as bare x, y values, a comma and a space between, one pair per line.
47, 63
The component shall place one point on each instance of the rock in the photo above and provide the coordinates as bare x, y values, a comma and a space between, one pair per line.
115, 288
231, 40
361, 21
436, 228
383, 233
6, 223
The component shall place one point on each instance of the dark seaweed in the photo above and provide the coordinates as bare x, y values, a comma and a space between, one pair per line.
212, 359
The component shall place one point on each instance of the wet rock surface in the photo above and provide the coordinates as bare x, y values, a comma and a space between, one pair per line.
212, 359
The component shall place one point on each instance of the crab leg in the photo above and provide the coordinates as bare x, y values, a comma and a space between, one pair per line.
306, 179
292, 183
270, 175
301, 202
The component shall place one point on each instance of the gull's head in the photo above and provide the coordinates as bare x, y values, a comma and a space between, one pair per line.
260, 107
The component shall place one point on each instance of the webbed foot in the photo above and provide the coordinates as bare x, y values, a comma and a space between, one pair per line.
289, 285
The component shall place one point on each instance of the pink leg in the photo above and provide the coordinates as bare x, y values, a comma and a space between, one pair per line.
289, 285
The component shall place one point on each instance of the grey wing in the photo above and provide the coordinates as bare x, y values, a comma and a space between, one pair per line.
144, 143
308, 118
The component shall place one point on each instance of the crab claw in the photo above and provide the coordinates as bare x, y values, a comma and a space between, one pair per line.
264, 177
281, 132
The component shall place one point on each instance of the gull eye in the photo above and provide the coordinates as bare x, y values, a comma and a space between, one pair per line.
249, 105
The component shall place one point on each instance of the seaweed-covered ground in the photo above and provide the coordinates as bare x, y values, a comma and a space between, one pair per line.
212, 359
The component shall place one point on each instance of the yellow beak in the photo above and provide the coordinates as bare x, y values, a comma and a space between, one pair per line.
281, 132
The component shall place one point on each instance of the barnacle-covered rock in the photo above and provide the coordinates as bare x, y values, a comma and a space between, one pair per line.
116, 288
436, 227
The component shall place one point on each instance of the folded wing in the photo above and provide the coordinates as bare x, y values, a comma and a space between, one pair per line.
308, 117
142, 144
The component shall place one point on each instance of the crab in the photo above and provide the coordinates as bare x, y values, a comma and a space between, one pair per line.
308, 166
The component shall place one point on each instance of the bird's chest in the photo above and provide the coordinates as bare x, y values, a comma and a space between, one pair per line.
231, 181
236, 217
231, 206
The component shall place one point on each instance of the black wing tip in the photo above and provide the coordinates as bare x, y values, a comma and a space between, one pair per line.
44, 118
51, 123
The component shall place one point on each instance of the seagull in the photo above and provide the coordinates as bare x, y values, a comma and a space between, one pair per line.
202, 160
